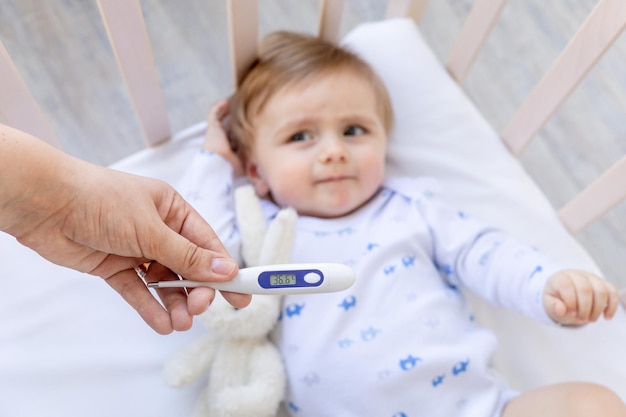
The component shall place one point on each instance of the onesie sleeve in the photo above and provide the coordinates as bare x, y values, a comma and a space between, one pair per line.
207, 184
487, 261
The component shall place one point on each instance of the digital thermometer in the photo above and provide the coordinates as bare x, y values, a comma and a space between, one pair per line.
278, 279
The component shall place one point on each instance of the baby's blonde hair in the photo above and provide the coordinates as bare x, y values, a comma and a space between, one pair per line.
288, 58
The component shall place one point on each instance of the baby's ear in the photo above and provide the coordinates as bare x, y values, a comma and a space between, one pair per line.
256, 179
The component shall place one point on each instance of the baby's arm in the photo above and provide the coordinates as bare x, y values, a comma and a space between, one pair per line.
207, 181
574, 297
216, 138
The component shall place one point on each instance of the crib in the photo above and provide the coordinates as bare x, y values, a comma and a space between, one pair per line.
70, 346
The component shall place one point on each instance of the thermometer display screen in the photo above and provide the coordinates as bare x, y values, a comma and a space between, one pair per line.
282, 279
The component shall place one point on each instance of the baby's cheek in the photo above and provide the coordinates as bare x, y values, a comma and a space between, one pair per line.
286, 195
375, 176
288, 185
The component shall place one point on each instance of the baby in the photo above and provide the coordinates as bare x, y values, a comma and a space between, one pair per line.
309, 124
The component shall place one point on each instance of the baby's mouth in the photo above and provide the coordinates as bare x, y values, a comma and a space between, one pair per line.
334, 178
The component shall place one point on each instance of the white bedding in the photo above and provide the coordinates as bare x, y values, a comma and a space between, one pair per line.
70, 346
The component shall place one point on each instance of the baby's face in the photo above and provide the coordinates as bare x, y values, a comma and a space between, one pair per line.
320, 146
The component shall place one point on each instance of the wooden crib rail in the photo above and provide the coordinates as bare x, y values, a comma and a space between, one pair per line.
243, 26
331, 12
406, 8
243, 30
475, 31
128, 36
243, 16
597, 33
18, 107
126, 29
595, 200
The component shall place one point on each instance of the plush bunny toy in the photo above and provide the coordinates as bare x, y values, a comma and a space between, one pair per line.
246, 374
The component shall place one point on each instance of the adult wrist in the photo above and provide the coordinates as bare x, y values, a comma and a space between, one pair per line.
36, 181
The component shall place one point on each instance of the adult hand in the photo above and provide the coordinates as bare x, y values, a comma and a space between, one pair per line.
105, 223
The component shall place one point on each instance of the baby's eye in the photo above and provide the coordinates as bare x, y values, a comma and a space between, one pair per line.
300, 137
353, 131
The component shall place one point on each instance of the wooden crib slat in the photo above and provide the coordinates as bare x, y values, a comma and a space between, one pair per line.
331, 12
595, 200
406, 8
18, 107
243, 37
473, 35
128, 36
603, 25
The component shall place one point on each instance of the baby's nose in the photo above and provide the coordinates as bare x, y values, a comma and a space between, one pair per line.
333, 150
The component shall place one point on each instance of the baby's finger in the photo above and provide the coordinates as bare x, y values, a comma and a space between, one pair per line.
600, 303
219, 110
612, 301
612, 306
585, 297
559, 310
565, 291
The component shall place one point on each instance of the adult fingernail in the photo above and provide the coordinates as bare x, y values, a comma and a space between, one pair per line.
222, 266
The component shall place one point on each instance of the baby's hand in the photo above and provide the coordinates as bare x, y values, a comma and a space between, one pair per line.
574, 297
216, 139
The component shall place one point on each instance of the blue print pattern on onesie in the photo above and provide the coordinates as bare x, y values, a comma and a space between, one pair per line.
460, 367
401, 333
389, 270
294, 310
438, 380
408, 363
372, 246
402, 327
369, 334
292, 407
348, 303
408, 261
537, 269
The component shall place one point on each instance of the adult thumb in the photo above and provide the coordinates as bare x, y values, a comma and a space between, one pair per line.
190, 260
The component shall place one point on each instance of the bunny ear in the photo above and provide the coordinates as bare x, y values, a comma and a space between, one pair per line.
278, 243
251, 223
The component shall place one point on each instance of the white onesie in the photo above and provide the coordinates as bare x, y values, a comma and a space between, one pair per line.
401, 341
